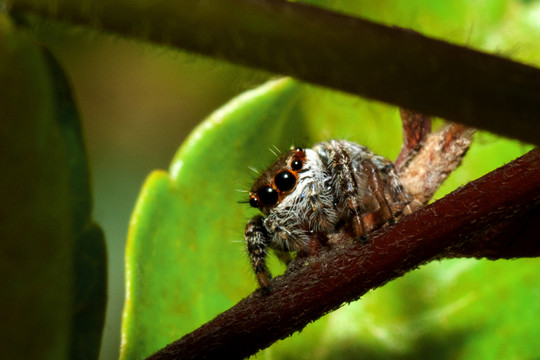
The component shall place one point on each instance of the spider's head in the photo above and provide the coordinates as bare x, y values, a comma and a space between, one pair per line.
279, 180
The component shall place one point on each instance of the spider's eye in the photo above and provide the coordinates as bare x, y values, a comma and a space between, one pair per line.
285, 181
254, 202
296, 165
267, 196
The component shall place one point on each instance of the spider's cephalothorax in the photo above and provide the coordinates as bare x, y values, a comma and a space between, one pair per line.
319, 196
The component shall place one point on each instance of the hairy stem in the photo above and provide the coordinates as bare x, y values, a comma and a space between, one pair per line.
416, 128
477, 220
440, 154
337, 51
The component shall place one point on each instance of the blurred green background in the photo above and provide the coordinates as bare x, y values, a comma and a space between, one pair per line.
138, 102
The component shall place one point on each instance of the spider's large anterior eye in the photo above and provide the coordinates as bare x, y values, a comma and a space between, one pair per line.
268, 196
254, 202
285, 181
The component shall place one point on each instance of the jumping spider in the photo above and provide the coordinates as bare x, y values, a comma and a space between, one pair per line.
337, 189
340, 190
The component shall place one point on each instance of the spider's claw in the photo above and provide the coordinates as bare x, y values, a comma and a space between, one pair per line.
265, 291
363, 238
264, 278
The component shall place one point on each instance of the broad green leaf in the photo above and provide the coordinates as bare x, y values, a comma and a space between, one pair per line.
53, 303
193, 267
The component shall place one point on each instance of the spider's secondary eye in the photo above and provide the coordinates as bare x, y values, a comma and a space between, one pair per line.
285, 181
254, 202
296, 165
268, 196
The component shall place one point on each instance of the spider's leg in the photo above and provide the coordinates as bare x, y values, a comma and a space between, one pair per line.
398, 198
377, 188
257, 240
383, 191
347, 181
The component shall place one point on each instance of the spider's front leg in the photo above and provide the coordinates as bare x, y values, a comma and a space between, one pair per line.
257, 241
344, 178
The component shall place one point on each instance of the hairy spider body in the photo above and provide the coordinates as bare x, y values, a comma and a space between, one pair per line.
334, 191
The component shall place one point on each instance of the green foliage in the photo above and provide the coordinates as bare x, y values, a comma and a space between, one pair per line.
53, 257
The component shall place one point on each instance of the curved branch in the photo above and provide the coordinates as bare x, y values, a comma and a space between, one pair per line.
476, 220
385, 63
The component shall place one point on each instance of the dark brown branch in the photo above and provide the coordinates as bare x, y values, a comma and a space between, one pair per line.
329, 49
475, 220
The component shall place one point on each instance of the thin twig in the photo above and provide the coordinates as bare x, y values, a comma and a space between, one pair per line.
440, 154
464, 223
416, 128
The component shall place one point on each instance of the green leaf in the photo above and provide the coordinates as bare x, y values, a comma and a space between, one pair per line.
90, 260
52, 255
183, 256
